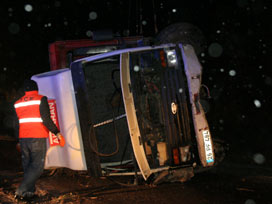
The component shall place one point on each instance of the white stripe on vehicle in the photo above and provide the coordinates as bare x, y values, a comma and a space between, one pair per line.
28, 103
30, 120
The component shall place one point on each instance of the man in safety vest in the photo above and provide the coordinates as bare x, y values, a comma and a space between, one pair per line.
34, 125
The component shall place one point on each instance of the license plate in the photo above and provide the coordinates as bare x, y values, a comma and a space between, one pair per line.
208, 146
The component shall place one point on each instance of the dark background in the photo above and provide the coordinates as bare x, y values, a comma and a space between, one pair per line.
236, 58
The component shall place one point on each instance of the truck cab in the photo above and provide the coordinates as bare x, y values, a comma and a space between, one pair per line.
131, 111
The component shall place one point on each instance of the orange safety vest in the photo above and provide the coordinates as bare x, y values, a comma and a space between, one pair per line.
28, 112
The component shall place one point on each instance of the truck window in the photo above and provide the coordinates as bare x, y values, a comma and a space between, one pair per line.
107, 110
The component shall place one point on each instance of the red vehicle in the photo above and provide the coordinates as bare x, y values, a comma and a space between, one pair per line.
63, 53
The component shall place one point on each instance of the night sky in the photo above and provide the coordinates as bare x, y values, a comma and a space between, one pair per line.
236, 59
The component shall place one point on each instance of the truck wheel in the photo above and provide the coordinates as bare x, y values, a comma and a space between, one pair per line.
184, 33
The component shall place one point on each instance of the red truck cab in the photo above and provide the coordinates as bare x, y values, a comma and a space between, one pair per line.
63, 53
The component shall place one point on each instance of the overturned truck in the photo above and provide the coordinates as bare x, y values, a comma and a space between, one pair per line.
132, 111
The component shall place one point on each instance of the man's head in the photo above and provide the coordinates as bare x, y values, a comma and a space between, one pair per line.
30, 85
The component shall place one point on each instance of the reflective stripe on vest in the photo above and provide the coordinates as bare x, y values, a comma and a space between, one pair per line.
30, 120
28, 103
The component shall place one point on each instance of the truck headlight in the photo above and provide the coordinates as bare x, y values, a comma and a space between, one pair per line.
171, 58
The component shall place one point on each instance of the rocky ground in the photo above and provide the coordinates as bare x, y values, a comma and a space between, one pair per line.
231, 182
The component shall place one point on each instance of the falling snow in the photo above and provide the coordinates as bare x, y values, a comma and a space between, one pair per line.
215, 50
89, 33
144, 22
28, 8
92, 15
136, 68
257, 103
232, 72
259, 158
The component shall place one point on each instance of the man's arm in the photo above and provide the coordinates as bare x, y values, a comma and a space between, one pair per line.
45, 115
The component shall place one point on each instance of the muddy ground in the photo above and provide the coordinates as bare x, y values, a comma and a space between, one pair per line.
233, 181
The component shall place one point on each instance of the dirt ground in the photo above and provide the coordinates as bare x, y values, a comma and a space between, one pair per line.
230, 182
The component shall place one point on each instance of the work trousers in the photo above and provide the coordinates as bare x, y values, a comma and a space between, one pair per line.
33, 152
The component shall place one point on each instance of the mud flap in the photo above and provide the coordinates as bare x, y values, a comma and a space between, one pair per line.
193, 71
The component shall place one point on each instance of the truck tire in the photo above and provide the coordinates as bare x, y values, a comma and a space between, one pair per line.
184, 33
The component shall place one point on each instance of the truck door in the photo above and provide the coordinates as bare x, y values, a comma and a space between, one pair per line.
135, 134
102, 113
